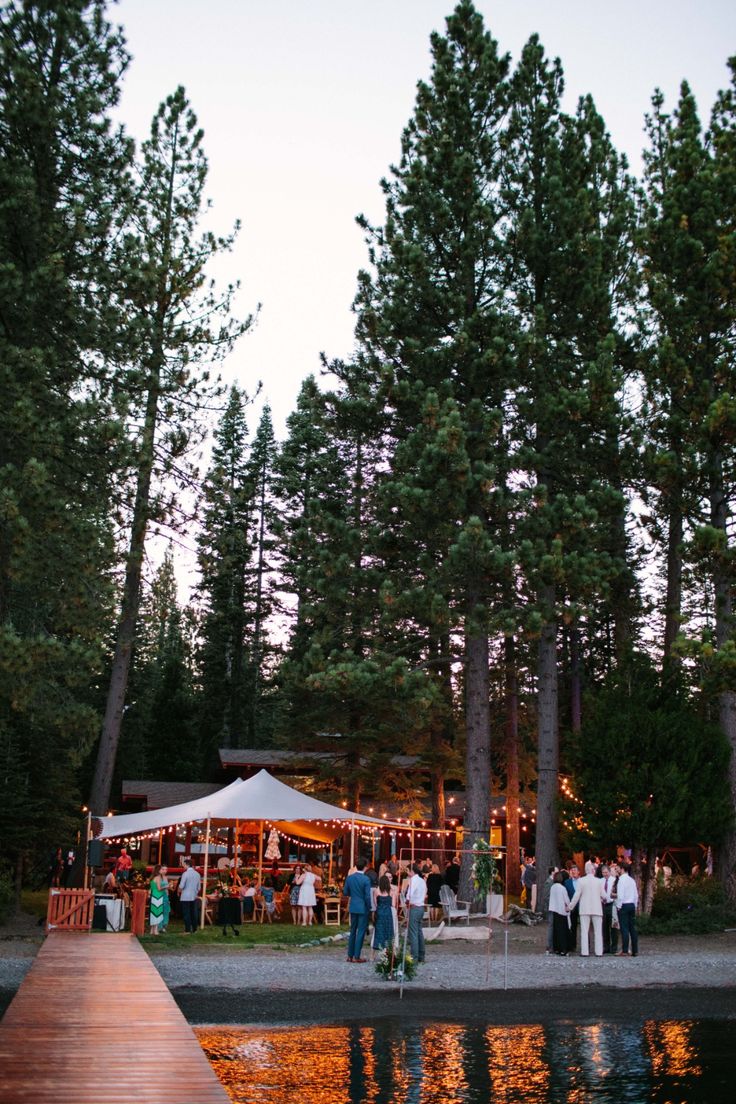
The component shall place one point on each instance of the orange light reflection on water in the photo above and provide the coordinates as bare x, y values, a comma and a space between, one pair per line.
671, 1049
390, 1062
281, 1065
517, 1065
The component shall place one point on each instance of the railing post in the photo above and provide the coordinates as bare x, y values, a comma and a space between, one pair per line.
138, 912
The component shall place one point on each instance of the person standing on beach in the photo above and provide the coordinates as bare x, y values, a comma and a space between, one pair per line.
571, 884
188, 890
416, 897
610, 933
589, 895
357, 889
559, 910
627, 898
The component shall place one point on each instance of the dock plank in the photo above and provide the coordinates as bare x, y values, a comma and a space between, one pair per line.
93, 1023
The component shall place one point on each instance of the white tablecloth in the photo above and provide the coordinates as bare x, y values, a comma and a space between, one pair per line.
115, 909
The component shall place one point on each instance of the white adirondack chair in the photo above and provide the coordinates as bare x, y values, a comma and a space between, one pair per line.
452, 908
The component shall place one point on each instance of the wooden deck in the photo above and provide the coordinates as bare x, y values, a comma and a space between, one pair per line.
93, 1023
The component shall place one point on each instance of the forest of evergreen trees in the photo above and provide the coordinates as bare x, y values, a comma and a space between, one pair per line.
498, 538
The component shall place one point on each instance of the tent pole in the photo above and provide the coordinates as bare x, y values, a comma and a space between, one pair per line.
413, 832
352, 844
329, 866
87, 838
236, 874
204, 880
260, 854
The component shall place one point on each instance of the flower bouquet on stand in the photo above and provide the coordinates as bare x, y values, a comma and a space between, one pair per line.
388, 966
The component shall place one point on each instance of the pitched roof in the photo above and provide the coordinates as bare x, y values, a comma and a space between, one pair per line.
280, 757
158, 795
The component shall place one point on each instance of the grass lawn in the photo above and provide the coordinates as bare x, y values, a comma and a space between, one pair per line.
251, 935
35, 902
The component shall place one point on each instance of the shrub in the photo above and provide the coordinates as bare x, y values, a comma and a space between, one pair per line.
689, 907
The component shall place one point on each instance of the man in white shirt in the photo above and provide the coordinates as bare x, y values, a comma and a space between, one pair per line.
416, 895
610, 934
627, 898
188, 890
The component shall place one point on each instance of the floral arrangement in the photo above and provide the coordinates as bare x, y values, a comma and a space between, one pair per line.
388, 966
333, 891
484, 868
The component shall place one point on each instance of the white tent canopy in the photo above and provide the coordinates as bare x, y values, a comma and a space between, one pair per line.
260, 798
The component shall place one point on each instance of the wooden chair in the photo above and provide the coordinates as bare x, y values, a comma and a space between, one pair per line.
331, 917
261, 913
452, 908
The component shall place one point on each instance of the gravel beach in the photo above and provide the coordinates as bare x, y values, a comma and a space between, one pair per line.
512, 981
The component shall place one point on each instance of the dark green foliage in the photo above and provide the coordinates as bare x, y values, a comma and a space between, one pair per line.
63, 182
7, 898
159, 736
342, 687
179, 324
648, 770
236, 549
225, 553
571, 221
434, 338
689, 907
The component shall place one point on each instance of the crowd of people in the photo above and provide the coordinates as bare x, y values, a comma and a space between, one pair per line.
602, 903
379, 894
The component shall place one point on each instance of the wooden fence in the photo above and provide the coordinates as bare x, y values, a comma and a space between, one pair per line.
70, 910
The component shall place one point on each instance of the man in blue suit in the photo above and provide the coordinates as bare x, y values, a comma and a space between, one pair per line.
357, 889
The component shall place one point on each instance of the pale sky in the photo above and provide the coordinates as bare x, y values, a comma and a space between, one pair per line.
303, 103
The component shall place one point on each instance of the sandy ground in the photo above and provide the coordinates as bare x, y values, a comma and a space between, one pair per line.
509, 979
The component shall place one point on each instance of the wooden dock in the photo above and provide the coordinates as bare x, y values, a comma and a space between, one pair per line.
93, 1023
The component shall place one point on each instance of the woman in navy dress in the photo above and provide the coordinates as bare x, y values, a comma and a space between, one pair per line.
383, 929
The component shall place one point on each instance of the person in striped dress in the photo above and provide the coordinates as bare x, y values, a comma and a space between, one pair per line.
156, 911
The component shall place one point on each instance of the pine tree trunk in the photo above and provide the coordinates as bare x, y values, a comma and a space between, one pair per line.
438, 817
648, 883
105, 766
20, 863
548, 756
673, 596
576, 688
446, 738
724, 631
622, 588
112, 722
513, 842
478, 745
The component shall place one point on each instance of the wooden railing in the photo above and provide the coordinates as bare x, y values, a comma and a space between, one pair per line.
70, 910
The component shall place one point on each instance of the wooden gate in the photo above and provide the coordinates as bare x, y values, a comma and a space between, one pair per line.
70, 910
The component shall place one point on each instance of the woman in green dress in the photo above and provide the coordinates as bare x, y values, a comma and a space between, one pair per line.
157, 900
167, 900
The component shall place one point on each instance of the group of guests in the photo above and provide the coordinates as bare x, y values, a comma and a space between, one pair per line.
305, 881
376, 895
603, 900
187, 889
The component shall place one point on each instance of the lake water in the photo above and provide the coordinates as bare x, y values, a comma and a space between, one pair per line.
395, 1061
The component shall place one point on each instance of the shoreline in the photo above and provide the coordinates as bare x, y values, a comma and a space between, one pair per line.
259, 1008
683, 977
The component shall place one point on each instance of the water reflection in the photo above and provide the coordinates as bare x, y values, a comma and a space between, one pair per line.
399, 1062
